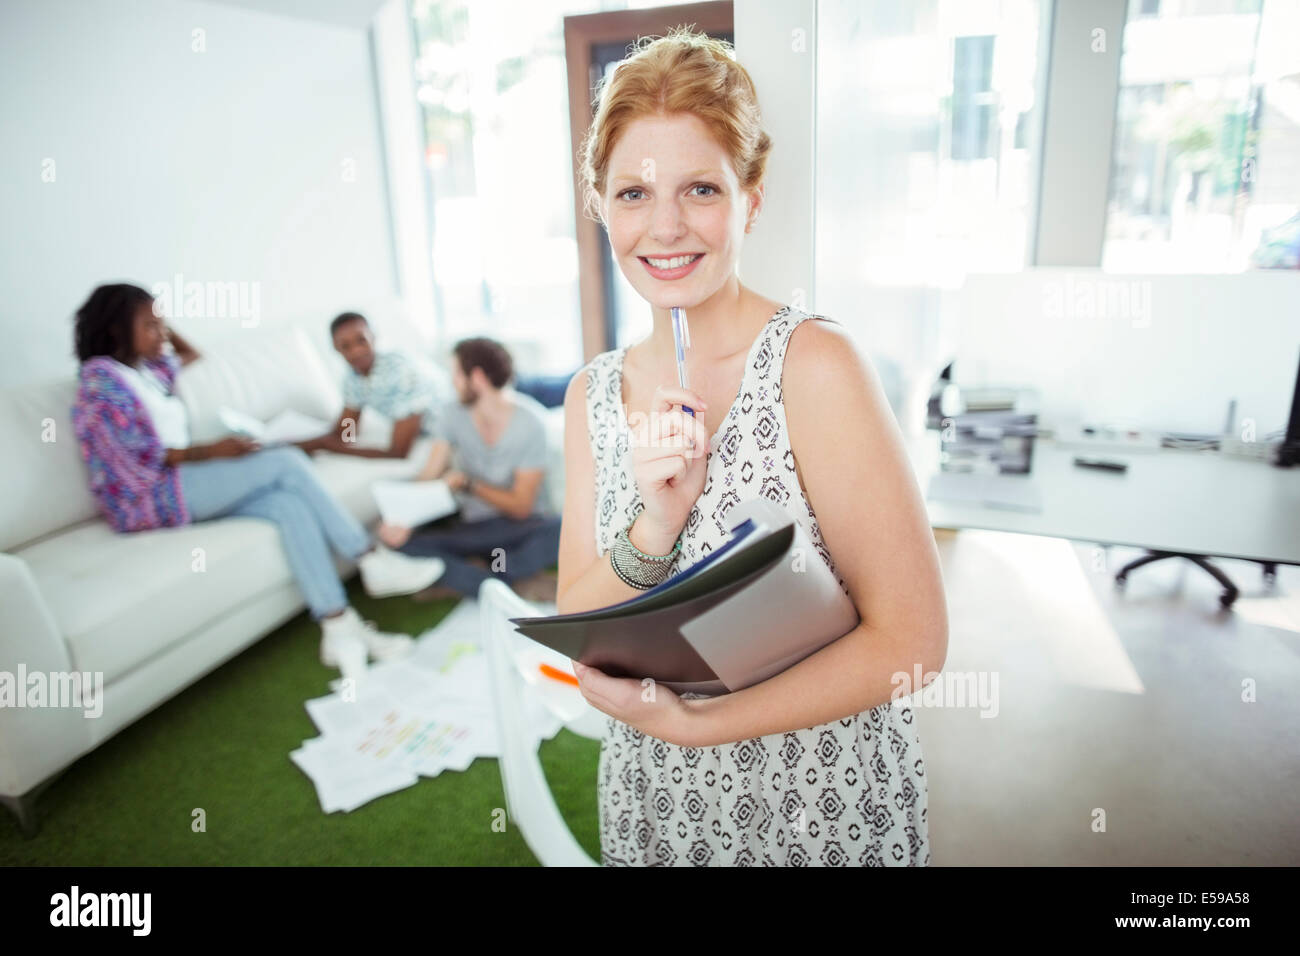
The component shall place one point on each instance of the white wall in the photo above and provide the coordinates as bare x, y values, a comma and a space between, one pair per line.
777, 43
228, 165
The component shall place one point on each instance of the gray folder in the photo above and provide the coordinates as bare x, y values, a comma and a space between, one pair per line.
759, 604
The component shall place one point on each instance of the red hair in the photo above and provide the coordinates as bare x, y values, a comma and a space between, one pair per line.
682, 72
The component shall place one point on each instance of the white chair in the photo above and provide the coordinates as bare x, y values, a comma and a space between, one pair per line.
528, 797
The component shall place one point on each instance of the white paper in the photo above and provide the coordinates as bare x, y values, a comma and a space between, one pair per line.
410, 504
344, 782
240, 423
561, 698
293, 426
429, 711
285, 428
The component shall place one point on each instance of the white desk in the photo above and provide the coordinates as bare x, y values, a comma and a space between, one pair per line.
1193, 502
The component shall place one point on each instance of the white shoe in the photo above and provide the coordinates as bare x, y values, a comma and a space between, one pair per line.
349, 638
342, 646
385, 572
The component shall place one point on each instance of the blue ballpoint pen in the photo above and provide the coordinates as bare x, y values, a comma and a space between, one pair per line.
681, 341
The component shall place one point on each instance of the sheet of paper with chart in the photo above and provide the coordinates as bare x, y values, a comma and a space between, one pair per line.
415, 717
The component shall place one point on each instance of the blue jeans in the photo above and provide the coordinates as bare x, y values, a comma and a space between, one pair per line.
527, 545
279, 485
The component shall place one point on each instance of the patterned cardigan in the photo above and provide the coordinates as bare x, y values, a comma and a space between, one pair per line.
133, 485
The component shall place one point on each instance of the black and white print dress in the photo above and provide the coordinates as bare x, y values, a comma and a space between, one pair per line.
847, 793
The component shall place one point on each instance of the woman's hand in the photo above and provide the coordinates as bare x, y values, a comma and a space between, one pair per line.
649, 707
184, 351
456, 480
232, 446
669, 459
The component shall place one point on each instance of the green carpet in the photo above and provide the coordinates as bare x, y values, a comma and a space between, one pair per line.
223, 744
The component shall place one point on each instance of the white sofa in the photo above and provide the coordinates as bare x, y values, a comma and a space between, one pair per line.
78, 597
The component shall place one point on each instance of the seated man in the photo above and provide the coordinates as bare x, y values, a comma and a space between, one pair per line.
394, 384
505, 519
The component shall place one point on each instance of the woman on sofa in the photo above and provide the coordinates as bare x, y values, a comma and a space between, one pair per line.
145, 473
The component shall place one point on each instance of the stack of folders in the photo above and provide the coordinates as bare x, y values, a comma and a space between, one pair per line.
752, 608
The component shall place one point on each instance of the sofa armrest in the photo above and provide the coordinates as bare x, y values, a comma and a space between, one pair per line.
32, 740
28, 633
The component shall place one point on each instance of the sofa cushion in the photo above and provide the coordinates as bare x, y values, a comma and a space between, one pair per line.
43, 487
119, 599
260, 374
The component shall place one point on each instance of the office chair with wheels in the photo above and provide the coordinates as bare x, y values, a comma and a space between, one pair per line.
1230, 591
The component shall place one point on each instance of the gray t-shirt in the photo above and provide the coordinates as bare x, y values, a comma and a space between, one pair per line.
521, 445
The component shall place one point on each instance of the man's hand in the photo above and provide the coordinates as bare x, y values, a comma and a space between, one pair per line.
310, 445
456, 480
392, 535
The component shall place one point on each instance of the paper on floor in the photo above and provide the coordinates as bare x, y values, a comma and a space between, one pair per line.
416, 717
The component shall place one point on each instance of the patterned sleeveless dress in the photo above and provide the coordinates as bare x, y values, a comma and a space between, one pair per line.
847, 793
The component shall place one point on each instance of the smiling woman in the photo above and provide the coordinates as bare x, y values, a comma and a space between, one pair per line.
819, 764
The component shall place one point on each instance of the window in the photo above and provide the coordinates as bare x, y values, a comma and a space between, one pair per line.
926, 143
490, 81
1206, 170
974, 104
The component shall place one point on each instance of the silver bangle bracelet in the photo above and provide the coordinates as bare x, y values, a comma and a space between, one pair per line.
637, 569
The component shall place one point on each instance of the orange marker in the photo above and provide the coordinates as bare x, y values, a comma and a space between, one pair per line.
559, 675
